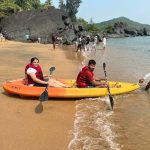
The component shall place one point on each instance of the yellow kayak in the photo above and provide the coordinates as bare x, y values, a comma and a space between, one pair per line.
18, 87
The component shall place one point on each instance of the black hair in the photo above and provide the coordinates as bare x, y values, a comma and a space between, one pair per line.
92, 62
34, 58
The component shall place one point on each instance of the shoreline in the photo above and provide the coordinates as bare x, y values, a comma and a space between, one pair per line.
20, 127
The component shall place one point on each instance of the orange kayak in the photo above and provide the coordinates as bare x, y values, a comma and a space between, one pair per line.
18, 87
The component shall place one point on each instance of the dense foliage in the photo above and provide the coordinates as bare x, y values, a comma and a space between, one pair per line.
88, 26
71, 6
7, 7
47, 4
62, 5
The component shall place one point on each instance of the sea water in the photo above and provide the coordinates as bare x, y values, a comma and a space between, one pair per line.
127, 127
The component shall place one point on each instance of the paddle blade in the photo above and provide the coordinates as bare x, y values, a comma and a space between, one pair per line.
44, 96
39, 108
51, 69
111, 101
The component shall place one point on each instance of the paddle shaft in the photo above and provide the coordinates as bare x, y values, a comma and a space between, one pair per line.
44, 95
48, 80
108, 89
107, 82
51, 70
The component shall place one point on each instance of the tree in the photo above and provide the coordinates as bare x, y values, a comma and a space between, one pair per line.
62, 5
92, 26
21, 3
88, 26
82, 22
28, 4
91, 21
72, 8
8, 7
109, 29
35, 4
47, 4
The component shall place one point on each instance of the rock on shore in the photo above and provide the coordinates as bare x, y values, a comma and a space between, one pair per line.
41, 23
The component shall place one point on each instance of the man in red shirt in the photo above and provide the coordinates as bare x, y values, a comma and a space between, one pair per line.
86, 77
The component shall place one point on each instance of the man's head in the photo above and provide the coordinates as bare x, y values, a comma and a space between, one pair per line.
92, 64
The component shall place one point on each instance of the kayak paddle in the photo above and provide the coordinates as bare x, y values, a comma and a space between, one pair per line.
109, 94
44, 95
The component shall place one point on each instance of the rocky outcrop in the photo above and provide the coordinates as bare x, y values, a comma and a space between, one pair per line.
40, 23
120, 29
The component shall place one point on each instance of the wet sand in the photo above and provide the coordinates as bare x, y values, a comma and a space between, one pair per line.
21, 128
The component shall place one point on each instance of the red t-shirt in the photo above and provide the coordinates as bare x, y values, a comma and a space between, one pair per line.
85, 77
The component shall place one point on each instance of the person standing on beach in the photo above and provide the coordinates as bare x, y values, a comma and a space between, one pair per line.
53, 40
60, 40
86, 77
39, 40
104, 42
146, 79
95, 41
79, 44
27, 37
1, 37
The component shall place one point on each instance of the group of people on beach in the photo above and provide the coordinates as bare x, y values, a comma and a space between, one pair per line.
88, 42
85, 78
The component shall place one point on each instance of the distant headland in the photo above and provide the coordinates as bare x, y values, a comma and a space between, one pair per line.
123, 27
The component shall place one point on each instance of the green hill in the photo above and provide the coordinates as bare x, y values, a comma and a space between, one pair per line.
130, 23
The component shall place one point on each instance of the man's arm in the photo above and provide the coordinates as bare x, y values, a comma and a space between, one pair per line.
99, 79
99, 83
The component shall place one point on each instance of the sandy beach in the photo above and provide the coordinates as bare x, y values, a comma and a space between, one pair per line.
21, 128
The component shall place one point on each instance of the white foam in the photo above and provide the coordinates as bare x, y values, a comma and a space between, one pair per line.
92, 126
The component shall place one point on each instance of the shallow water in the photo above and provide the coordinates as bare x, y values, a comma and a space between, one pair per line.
128, 126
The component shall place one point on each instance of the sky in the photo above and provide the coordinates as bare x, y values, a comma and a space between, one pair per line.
104, 10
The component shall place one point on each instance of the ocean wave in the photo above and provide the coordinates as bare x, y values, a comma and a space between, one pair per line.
93, 126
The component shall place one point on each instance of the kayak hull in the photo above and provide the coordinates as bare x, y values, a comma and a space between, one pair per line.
17, 87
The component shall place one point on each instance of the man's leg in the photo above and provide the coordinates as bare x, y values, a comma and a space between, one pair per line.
147, 86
